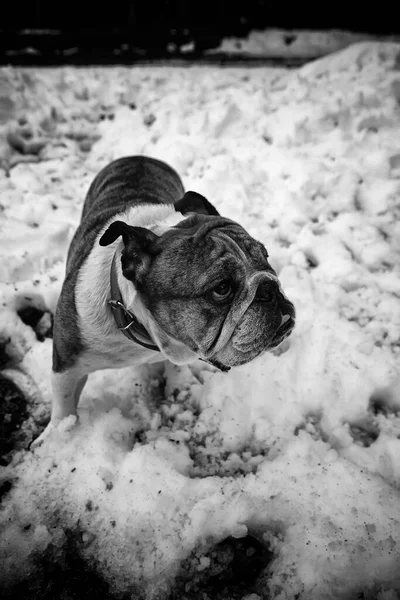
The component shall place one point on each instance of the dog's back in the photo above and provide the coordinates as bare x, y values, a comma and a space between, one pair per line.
124, 183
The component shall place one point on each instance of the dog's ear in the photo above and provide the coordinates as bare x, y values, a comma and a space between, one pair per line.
192, 202
128, 233
139, 248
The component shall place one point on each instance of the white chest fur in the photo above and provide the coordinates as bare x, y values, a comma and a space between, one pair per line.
106, 346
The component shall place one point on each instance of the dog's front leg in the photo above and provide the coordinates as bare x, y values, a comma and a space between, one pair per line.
67, 388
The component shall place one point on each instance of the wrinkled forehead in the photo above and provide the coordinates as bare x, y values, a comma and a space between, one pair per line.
233, 240
201, 258
237, 243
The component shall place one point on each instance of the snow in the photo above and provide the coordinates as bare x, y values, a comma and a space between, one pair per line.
296, 43
298, 449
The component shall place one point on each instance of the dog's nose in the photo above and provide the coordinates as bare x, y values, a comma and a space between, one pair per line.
267, 291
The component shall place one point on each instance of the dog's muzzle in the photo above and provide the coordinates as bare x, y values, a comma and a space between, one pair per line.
242, 304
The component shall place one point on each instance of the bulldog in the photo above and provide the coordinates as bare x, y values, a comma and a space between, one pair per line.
155, 273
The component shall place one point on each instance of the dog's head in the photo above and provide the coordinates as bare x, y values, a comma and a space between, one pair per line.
207, 284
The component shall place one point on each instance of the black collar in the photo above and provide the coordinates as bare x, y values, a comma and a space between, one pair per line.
125, 320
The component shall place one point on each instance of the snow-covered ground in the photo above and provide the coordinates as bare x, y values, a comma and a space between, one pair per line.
294, 43
280, 479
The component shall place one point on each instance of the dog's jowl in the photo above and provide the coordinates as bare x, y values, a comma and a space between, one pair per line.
154, 273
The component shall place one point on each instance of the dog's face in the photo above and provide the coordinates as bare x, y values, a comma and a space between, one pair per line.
208, 284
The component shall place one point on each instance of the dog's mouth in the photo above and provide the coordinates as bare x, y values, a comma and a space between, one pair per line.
219, 365
283, 331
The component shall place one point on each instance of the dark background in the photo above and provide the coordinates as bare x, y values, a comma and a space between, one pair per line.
124, 30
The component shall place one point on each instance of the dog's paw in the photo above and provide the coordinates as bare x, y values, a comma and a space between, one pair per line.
52, 429
67, 424
46, 433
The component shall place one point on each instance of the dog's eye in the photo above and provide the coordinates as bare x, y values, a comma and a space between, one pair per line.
222, 291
